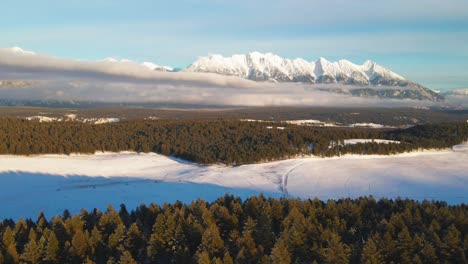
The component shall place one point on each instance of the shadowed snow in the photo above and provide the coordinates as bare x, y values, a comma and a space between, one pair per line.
53, 183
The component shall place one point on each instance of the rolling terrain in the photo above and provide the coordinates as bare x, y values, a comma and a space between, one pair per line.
380, 115
52, 183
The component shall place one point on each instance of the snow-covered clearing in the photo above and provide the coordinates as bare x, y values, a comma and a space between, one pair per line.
310, 122
73, 117
370, 125
361, 140
52, 183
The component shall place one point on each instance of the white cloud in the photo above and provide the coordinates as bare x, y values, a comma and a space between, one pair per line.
124, 81
17, 60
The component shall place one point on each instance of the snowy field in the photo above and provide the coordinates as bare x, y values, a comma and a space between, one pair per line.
379, 141
52, 183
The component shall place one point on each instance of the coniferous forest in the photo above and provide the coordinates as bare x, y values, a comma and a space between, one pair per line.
258, 230
231, 142
229, 230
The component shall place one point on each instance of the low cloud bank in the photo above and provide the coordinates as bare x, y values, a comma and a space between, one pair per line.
125, 81
138, 92
15, 61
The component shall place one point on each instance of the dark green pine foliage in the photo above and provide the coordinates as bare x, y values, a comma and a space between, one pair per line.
230, 230
232, 142
370, 253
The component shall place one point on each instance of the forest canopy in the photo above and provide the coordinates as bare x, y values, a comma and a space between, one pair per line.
257, 230
232, 142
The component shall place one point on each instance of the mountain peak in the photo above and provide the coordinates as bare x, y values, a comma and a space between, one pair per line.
343, 61
257, 54
150, 65
156, 67
253, 66
322, 60
368, 65
259, 66
113, 60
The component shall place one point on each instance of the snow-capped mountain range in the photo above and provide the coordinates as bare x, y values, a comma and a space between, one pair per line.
148, 65
269, 67
368, 79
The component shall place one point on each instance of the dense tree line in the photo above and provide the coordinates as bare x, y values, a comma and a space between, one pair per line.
212, 141
258, 230
430, 136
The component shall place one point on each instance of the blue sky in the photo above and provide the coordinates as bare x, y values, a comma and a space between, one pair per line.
423, 40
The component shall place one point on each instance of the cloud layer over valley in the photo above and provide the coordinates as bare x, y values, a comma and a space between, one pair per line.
44, 77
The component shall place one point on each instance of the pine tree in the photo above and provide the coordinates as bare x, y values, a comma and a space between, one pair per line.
8, 237
212, 242
79, 245
41, 221
429, 254
32, 252
334, 250
405, 246
249, 252
389, 246
32, 235
127, 258
123, 213
155, 248
211, 232
116, 238
203, 257
96, 245
296, 235
217, 261
371, 254
241, 257
21, 234
58, 227
280, 253
227, 259
452, 248
11, 255
134, 241
52, 248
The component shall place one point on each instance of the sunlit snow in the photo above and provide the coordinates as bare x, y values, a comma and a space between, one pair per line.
362, 140
52, 183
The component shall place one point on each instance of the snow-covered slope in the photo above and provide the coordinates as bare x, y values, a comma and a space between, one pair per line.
366, 80
269, 67
149, 65
52, 183
73, 118
156, 67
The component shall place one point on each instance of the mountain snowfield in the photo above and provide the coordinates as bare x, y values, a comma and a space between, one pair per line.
19, 57
270, 67
238, 71
156, 67
52, 183
258, 66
